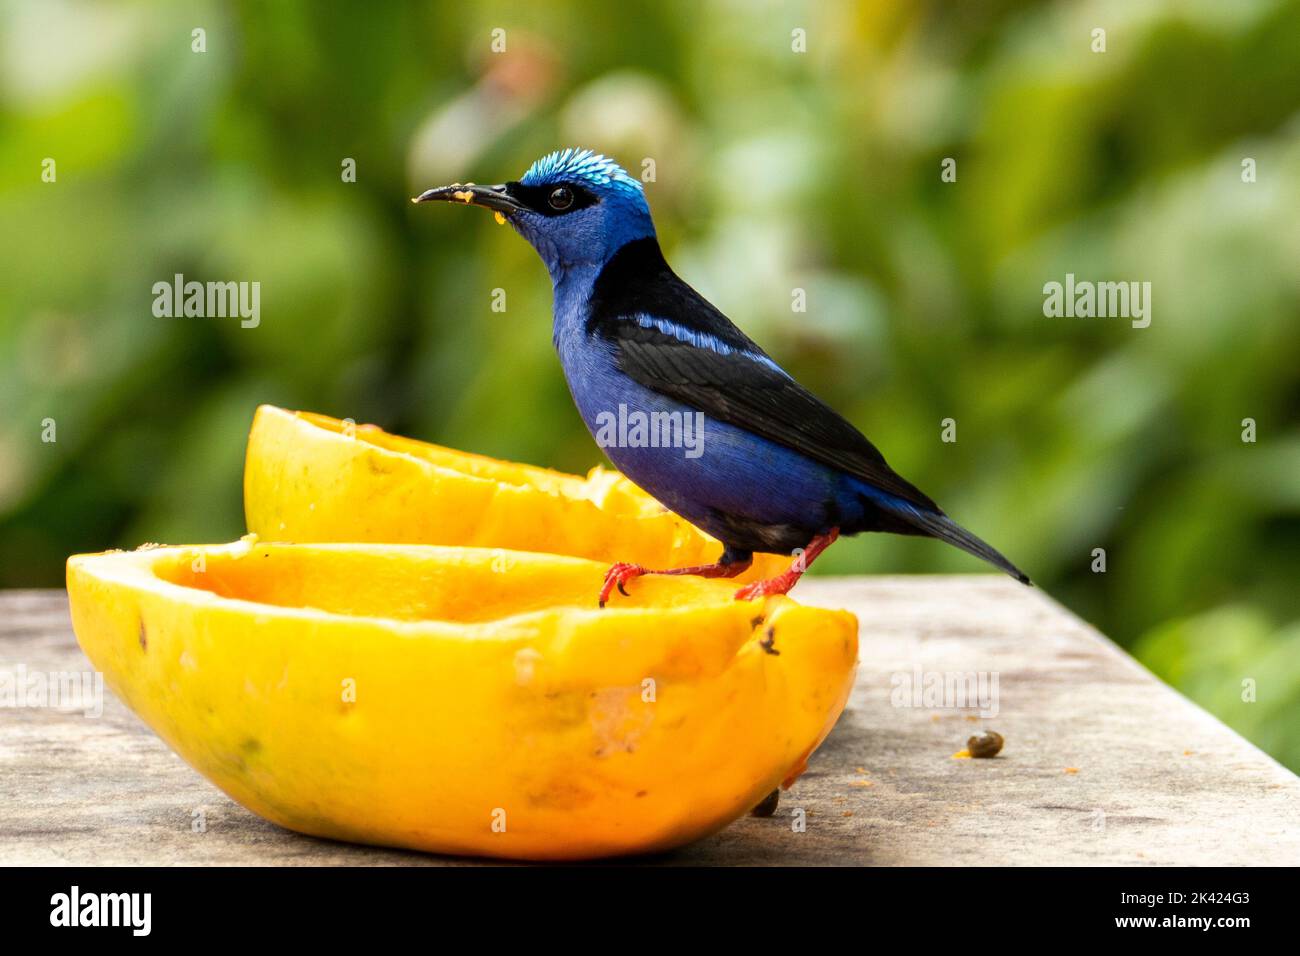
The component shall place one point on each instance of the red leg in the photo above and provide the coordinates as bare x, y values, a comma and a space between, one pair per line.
620, 573
782, 583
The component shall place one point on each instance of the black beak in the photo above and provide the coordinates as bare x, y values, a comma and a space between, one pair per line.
495, 198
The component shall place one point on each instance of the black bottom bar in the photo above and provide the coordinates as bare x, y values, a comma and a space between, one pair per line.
585, 903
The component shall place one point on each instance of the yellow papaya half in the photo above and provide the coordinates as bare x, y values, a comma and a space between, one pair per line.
310, 478
463, 700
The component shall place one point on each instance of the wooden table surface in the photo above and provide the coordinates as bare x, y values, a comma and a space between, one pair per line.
1103, 764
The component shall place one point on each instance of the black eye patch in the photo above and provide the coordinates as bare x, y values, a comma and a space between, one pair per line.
540, 198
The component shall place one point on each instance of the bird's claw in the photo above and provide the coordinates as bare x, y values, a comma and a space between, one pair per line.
781, 584
615, 577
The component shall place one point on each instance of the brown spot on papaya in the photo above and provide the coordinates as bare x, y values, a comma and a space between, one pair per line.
143, 636
377, 464
768, 643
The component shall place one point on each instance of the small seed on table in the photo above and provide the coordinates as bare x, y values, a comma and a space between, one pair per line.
987, 743
768, 805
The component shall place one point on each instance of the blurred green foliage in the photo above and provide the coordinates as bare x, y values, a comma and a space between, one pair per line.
774, 170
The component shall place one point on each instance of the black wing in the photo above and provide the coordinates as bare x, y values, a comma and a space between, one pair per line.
733, 383
737, 389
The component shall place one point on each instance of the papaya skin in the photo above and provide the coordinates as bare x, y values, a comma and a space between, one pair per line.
463, 700
311, 478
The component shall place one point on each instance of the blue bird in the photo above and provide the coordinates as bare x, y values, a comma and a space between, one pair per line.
771, 468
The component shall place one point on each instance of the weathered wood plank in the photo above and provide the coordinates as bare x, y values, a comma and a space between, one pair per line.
1103, 764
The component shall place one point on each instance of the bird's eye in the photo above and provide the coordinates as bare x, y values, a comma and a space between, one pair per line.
561, 197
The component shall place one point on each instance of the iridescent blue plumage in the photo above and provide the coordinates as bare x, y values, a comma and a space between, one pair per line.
582, 165
777, 470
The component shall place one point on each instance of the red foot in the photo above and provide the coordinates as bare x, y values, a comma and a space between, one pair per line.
782, 583
615, 577
619, 573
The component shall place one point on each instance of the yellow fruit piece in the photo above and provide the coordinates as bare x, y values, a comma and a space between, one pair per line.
312, 478
463, 700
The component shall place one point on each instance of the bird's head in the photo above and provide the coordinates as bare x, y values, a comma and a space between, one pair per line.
576, 207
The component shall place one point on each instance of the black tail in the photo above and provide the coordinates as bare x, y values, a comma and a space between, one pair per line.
940, 526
